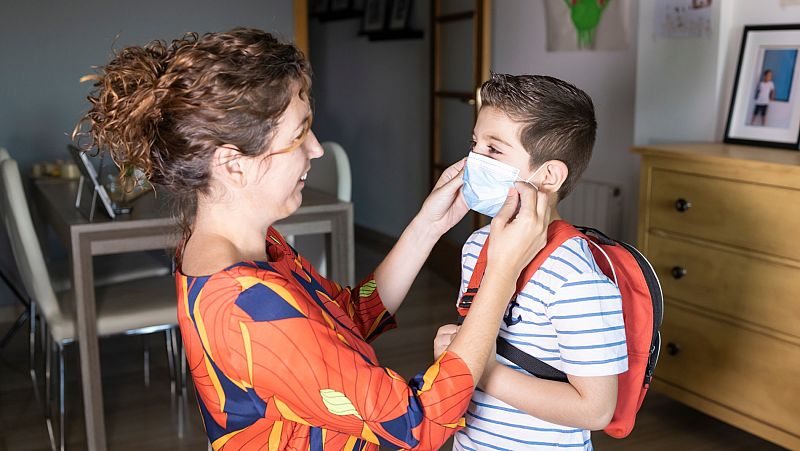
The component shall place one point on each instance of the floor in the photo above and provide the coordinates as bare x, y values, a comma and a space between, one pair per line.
139, 417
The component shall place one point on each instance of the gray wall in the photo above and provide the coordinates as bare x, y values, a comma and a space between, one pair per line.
373, 98
47, 45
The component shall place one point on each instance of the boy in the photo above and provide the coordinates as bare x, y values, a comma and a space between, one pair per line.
541, 130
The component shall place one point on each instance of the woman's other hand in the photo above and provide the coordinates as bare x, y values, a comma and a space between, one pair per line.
445, 205
443, 339
519, 231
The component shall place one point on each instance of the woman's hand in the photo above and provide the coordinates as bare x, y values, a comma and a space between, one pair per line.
443, 339
445, 205
519, 231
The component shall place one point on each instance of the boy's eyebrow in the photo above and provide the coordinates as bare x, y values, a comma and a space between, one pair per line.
493, 137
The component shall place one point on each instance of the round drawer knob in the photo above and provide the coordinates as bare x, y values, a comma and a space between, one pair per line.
682, 205
673, 348
678, 272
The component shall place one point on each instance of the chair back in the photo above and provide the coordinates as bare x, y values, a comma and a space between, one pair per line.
331, 172
24, 242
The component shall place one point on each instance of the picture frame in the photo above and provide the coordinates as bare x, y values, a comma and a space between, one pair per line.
320, 6
400, 14
765, 103
341, 5
374, 16
91, 193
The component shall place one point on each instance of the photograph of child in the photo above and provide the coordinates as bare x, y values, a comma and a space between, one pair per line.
770, 103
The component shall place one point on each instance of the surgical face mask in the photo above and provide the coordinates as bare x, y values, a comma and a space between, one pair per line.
486, 183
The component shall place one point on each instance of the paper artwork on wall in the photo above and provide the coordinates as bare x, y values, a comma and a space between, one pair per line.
683, 18
587, 25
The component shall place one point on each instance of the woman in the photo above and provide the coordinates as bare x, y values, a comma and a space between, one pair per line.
279, 355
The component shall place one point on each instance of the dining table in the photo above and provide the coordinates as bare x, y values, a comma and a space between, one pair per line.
151, 225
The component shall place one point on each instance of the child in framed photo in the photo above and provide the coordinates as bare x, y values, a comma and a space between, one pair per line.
774, 88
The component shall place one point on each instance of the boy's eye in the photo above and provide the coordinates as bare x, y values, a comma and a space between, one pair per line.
493, 150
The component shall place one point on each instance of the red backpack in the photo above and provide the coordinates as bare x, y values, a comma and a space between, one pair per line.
642, 312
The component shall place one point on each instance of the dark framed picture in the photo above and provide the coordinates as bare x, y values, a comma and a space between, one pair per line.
320, 6
400, 13
375, 15
341, 5
91, 193
765, 105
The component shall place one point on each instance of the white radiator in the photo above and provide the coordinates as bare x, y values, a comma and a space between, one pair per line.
594, 204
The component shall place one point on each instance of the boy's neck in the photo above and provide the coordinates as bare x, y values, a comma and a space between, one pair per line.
554, 216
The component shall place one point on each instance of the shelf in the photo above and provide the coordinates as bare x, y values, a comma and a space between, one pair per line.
386, 35
338, 15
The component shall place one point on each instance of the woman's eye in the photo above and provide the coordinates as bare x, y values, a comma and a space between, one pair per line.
493, 150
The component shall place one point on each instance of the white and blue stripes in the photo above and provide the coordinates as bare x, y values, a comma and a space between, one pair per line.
568, 315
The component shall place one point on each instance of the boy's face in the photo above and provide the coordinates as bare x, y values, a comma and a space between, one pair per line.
497, 136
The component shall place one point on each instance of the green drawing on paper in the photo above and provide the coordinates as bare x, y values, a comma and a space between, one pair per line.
586, 16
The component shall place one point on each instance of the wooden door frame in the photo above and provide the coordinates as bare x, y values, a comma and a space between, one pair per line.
300, 8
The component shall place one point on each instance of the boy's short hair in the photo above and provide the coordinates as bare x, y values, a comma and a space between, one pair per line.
558, 119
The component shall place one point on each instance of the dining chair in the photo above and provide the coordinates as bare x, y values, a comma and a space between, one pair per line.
29, 311
329, 173
137, 307
110, 269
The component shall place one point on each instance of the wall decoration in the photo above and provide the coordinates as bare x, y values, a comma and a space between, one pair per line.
765, 105
683, 18
587, 24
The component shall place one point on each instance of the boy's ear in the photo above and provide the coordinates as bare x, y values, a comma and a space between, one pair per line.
227, 165
554, 175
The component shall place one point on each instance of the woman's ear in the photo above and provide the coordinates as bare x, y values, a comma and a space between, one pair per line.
555, 174
227, 166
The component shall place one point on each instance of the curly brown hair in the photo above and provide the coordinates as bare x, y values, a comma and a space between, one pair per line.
165, 108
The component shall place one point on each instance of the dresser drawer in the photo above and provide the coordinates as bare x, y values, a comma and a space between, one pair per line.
745, 371
759, 217
751, 289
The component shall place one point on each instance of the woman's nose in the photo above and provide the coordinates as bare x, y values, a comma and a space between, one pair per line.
312, 146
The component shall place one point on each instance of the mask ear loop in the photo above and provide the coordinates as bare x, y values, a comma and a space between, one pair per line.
528, 180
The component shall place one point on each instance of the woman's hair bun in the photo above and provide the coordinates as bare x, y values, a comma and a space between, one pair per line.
126, 104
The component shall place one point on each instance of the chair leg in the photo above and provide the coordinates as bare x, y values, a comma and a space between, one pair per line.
15, 327
61, 410
171, 361
146, 361
33, 349
182, 360
49, 346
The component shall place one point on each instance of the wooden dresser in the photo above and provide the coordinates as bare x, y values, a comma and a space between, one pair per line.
721, 225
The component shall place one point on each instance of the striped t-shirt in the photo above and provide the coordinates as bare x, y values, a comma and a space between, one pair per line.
569, 315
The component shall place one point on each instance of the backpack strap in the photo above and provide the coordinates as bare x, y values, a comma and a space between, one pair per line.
529, 363
558, 232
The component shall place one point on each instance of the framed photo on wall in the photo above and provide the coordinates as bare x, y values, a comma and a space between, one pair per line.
374, 15
320, 6
400, 12
341, 5
765, 105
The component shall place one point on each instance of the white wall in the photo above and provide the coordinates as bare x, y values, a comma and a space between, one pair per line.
684, 85
519, 46
373, 98
678, 88
736, 15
